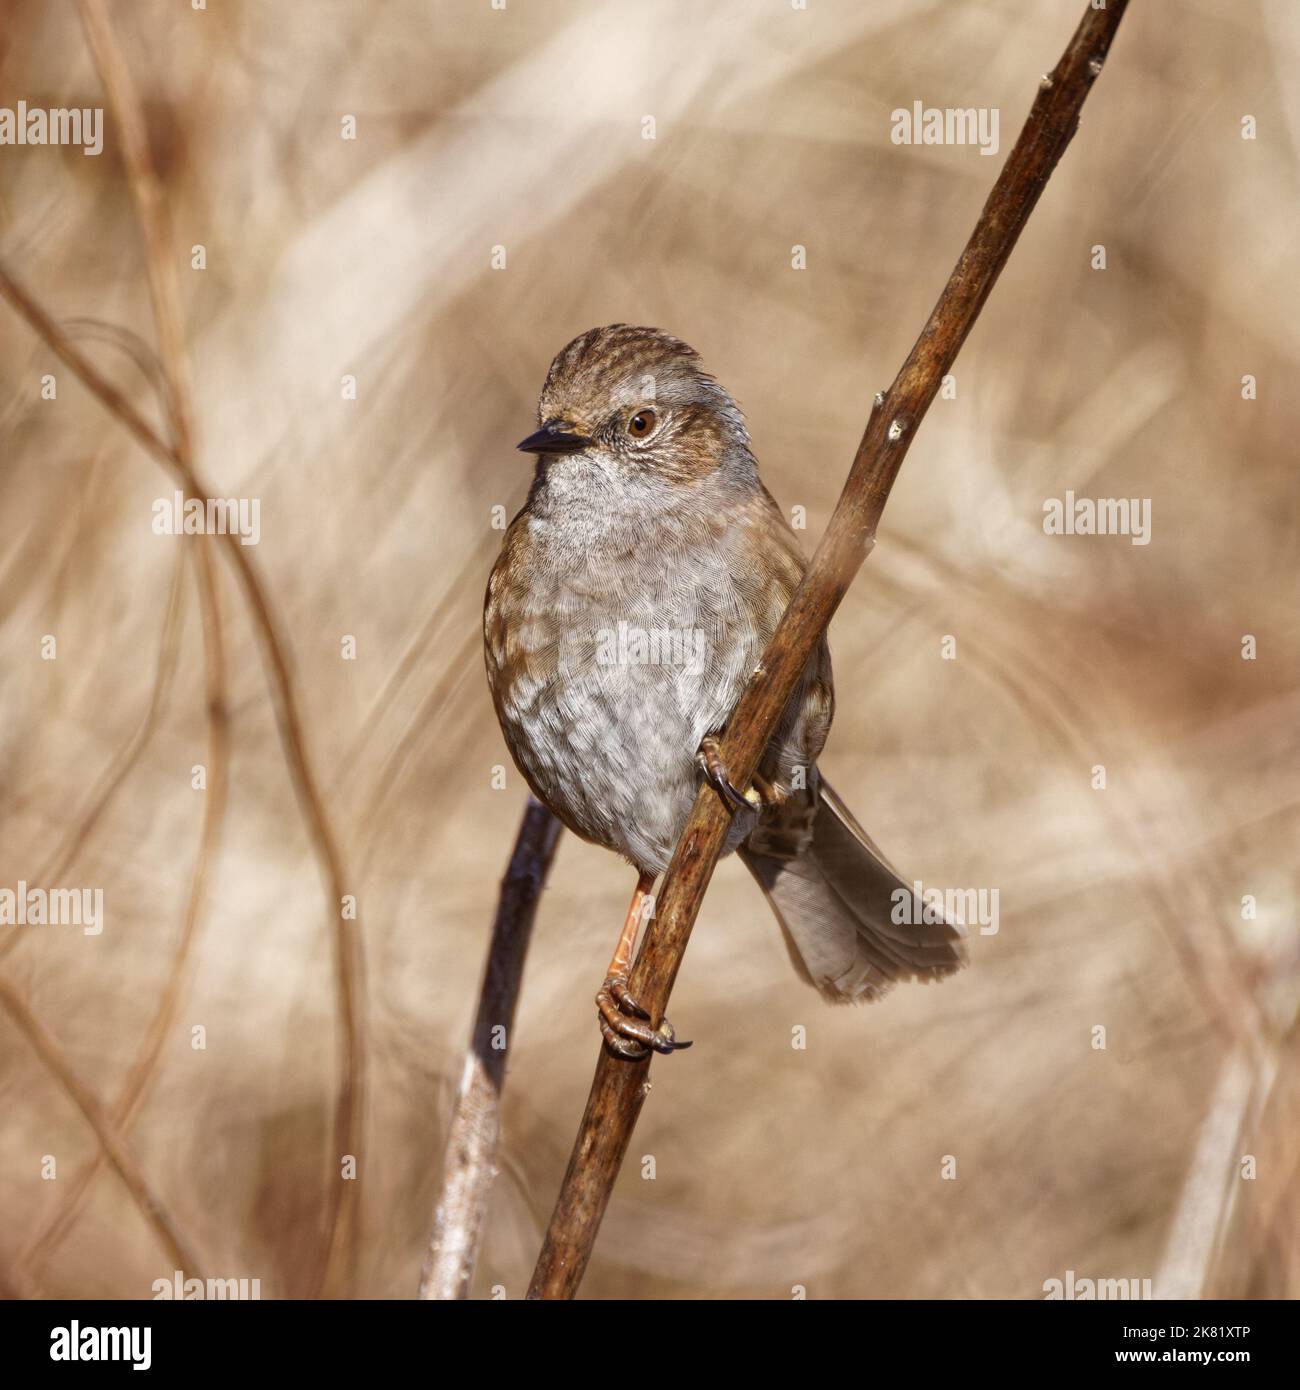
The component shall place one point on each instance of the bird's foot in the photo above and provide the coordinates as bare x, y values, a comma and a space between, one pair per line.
625, 1025
710, 762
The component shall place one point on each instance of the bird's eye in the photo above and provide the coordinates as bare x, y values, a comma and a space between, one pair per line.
641, 424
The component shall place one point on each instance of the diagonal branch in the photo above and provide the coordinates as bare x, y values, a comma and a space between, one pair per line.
619, 1087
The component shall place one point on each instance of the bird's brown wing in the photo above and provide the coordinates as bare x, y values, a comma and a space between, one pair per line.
768, 567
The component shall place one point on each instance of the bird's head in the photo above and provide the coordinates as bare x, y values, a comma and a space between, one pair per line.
635, 403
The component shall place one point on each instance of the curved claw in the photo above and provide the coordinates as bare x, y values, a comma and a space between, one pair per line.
632, 1037
710, 762
616, 986
622, 1047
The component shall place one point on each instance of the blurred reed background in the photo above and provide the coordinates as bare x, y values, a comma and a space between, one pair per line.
522, 128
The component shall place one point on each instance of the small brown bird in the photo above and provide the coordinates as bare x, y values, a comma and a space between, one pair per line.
633, 597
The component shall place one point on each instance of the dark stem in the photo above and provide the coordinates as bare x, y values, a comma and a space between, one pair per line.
469, 1164
619, 1086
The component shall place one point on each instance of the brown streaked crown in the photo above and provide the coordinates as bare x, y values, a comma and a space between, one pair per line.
605, 376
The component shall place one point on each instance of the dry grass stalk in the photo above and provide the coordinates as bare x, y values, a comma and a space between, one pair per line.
178, 458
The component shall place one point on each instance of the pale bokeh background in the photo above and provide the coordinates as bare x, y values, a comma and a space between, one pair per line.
480, 128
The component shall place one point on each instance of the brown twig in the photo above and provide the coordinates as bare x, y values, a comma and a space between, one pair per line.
173, 380
343, 1196
348, 1107
177, 401
101, 1122
135, 1088
115, 775
469, 1162
619, 1087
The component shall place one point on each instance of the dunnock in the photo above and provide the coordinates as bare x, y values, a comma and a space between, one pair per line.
633, 597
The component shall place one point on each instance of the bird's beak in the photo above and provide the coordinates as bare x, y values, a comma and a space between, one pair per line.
554, 437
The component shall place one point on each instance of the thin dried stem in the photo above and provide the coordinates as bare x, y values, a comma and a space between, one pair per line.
175, 382
469, 1162
348, 1107
143, 1067
619, 1087
114, 776
101, 1122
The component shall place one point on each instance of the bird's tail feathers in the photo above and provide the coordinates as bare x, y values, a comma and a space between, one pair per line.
844, 910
